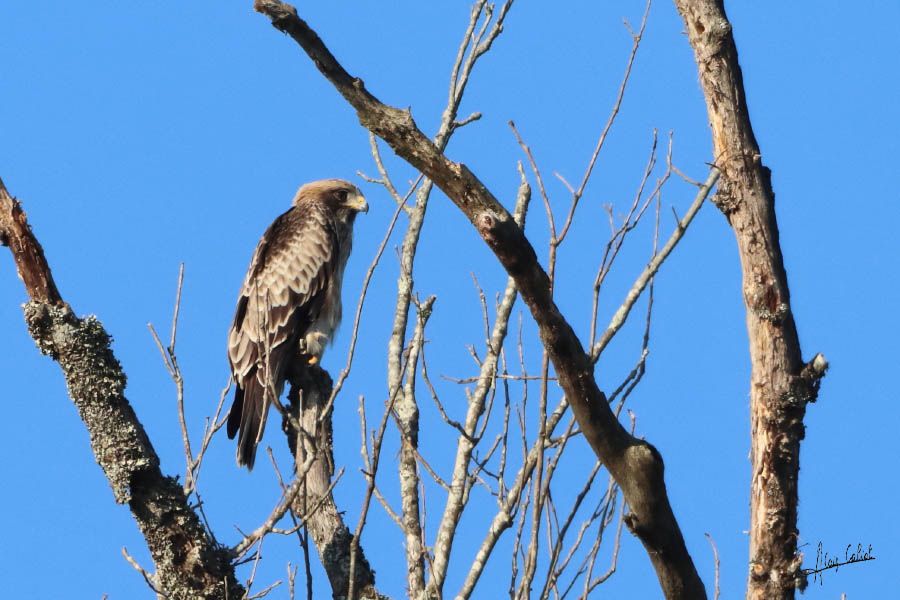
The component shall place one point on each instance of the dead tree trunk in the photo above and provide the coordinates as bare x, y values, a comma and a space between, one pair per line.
781, 384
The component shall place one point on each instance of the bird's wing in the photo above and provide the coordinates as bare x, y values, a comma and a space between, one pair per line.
282, 295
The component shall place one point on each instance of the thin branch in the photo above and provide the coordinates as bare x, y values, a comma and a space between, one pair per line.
508, 506
177, 308
715, 551
170, 359
292, 576
591, 584
387, 508
577, 194
386, 179
540, 181
556, 550
288, 497
466, 443
302, 536
499, 376
437, 478
149, 578
407, 411
652, 268
629, 223
265, 591
373, 464
212, 426
252, 578
437, 401
601, 515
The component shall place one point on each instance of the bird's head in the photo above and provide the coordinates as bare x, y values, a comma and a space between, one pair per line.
337, 193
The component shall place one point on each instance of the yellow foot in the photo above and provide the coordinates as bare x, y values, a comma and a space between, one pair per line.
313, 360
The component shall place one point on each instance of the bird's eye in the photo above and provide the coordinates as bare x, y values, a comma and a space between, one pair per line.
342, 195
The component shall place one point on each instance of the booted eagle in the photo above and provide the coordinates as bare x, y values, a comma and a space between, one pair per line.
290, 302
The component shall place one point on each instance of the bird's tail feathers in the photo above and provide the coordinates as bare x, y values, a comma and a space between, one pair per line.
252, 415
234, 415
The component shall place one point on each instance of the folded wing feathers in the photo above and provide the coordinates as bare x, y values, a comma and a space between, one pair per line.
282, 296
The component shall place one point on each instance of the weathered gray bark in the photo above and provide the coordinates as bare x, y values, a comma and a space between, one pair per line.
635, 464
189, 564
781, 384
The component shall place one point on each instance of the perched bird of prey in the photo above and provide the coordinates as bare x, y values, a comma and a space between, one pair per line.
290, 302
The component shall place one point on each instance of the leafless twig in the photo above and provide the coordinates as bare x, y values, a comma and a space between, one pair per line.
715, 551
170, 360
372, 466
644, 278
149, 578
577, 194
280, 509
466, 443
407, 414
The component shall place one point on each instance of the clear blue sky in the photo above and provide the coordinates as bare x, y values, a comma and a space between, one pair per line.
139, 137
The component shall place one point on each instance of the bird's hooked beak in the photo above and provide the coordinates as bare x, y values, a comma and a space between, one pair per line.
358, 203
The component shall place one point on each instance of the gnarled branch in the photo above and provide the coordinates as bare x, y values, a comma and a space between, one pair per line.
189, 564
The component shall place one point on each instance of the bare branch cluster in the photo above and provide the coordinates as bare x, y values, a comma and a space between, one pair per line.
633, 463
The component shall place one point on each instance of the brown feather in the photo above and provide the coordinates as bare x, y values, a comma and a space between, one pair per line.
291, 293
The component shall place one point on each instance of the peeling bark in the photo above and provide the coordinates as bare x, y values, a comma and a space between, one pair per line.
781, 384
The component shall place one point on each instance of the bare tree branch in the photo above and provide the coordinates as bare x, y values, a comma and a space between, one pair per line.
288, 497
170, 360
466, 443
577, 194
618, 234
621, 314
149, 578
715, 552
407, 412
302, 535
557, 547
189, 564
330, 534
459, 78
